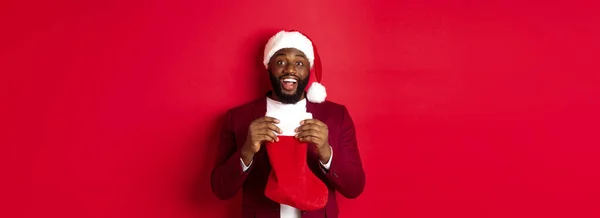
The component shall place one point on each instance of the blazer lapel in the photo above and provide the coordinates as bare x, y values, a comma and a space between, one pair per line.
314, 109
260, 108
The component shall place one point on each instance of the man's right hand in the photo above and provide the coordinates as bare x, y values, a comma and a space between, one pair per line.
261, 130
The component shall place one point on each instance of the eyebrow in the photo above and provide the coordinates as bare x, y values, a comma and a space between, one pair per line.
297, 55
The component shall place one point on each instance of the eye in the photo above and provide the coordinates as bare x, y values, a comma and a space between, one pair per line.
280, 62
299, 63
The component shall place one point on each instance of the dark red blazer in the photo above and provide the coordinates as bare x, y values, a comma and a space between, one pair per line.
345, 175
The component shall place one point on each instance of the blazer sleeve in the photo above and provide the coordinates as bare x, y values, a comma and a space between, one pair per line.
346, 172
228, 175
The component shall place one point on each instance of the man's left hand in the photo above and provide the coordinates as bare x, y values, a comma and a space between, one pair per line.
316, 133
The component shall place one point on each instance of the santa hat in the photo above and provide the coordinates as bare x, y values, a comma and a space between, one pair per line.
316, 92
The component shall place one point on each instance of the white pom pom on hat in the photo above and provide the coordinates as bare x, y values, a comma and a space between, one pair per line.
316, 92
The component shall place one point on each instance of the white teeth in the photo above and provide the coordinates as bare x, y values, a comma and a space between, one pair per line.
290, 80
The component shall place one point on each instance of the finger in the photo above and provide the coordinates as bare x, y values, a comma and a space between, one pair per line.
269, 126
273, 127
310, 139
269, 133
259, 139
268, 119
306, 127
267, 138
311, 133
313, 121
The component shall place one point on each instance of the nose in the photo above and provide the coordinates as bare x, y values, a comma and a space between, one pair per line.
290, 68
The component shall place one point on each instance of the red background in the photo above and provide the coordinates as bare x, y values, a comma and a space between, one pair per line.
462, 108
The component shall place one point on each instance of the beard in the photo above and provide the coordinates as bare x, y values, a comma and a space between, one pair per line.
287, 98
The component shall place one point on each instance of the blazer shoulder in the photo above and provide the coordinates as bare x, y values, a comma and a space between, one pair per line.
333, 106
244, 108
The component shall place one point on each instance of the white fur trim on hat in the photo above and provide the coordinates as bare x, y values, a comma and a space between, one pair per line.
285, 39
316, 93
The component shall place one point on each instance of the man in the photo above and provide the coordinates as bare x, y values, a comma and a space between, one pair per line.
332, 156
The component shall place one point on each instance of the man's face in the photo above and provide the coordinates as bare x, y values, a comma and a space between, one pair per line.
289, 70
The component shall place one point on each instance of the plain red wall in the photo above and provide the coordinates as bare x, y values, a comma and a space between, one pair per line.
463, 108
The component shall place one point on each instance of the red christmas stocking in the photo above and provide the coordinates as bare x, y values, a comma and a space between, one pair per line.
291, 182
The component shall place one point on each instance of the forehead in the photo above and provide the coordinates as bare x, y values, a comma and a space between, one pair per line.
289, 52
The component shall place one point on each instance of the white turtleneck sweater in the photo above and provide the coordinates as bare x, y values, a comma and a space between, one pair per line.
275, 107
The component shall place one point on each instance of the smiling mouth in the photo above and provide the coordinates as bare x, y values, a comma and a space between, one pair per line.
289, 84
